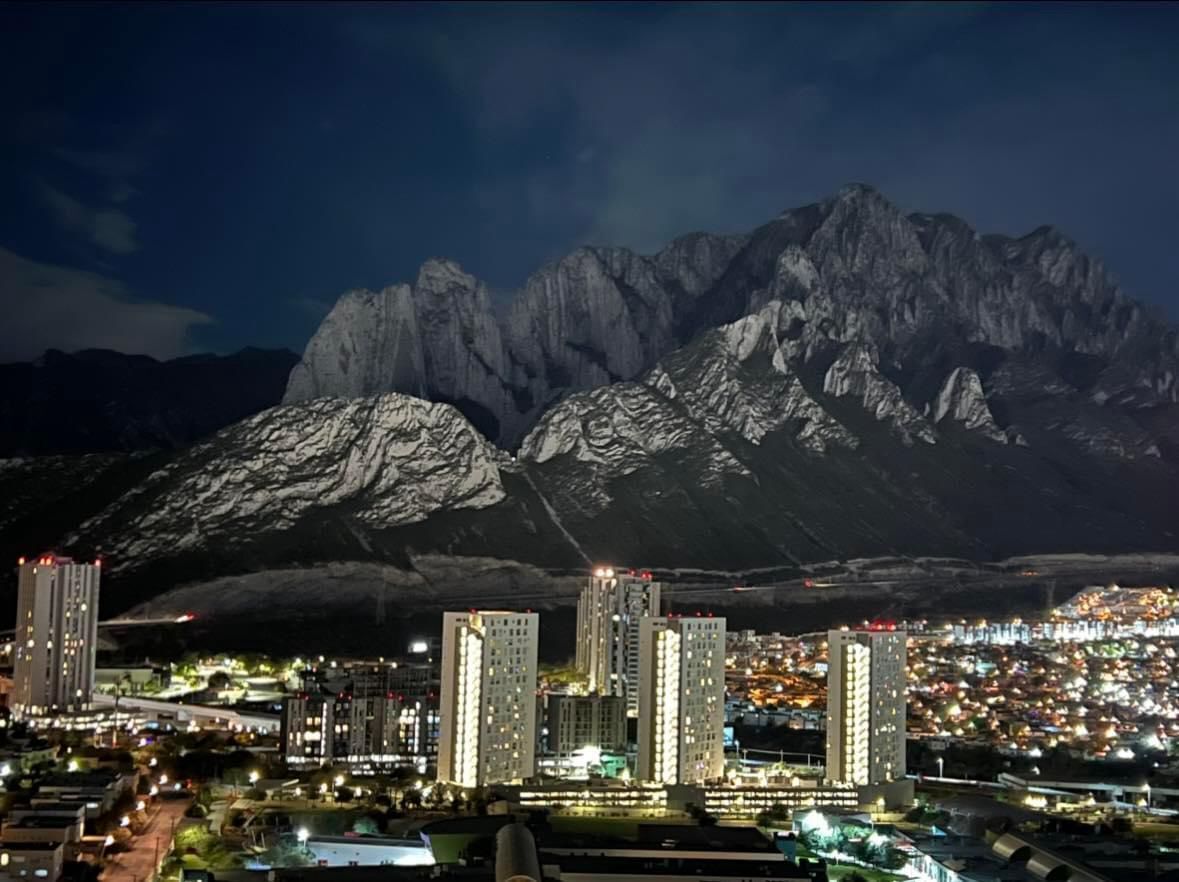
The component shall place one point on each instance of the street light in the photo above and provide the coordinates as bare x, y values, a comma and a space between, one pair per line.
163, 779
124, 821
155, 791
254, 776
140, 806
304, 834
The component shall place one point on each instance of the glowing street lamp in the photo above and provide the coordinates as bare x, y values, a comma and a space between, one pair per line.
304, 834
140, 806
254, 776
339, 780
124, 821
163, 779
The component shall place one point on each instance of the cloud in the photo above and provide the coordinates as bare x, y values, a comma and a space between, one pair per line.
108, 228
46, 306
110, 164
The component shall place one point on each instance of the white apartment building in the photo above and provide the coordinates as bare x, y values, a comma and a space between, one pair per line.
608, 614
866, 706
488, 697
56, 635
681, 700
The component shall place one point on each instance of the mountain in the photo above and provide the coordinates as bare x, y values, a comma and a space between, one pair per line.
594, 317
100, 401
846, 381
920, 289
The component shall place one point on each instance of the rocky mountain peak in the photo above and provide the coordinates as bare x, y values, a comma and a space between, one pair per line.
389, 460
855, 373
850, 269
961, 400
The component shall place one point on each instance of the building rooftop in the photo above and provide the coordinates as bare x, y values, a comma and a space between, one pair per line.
668, 837
676, 866
42, 822
99, 777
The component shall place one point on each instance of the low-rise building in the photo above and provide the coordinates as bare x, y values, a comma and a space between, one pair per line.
644, 799
96, 789
31, 861
33, 827
132, 680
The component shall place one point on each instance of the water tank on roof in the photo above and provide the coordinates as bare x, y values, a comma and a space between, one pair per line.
516, 859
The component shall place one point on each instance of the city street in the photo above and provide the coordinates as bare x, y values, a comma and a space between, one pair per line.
149, 849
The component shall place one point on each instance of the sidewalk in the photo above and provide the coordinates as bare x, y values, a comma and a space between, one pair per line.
149, 849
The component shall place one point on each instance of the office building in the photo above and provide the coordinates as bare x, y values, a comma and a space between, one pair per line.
56, 636
488, 705
681, 699
608, 614
586, 723
866, 705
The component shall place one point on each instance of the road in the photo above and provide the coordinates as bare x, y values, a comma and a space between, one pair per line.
10, 634
149, 848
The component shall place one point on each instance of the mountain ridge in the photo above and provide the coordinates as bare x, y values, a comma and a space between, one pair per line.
889, 385
101, 401
852, 267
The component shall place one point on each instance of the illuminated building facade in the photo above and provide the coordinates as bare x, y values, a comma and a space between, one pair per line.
681, 699
866, 706
644, 799
321, 728
56, 636
608, 614
488, 697
416, 680
358, 715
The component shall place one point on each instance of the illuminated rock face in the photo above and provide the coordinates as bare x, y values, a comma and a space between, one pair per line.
387, 461
844, 381
853, 274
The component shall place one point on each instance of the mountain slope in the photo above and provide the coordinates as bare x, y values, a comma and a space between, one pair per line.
726, 454
99, 401
851, 268
844, 382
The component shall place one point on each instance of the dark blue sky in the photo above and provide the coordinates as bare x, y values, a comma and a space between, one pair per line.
179, 178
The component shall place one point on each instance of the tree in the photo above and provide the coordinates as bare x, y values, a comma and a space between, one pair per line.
365, 825
286, 853
220, 680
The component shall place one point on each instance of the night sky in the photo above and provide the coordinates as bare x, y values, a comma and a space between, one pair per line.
191, 178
